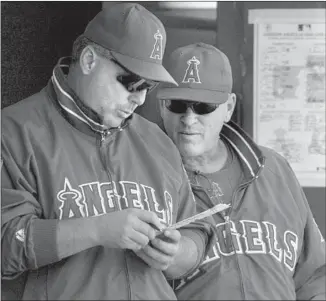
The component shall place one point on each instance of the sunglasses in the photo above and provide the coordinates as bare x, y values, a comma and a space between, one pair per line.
179, 106
134, 83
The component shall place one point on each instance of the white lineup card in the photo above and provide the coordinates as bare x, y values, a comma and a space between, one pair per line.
206, 213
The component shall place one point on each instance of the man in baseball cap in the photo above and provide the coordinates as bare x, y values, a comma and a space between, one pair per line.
262, 233
135, 37
203, 73
89, 187
204, 91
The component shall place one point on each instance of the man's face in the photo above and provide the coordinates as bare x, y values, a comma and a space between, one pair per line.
106, 95
193, 134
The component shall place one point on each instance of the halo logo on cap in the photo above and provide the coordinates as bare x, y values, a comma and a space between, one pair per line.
192, 73
158, 47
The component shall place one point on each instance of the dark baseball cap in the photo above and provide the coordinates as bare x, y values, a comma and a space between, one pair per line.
135, 37
203, 73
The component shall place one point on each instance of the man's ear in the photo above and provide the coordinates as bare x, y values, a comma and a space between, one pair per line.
162, 112
231, 102
87, 59
161, 107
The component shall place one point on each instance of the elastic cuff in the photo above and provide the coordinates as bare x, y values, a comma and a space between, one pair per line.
200, 239
45, 241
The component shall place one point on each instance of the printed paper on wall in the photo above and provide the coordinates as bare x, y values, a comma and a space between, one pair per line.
289, 94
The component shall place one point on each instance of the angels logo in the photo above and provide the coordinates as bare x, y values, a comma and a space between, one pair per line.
192, 74
157, 52
96, 198
251, 238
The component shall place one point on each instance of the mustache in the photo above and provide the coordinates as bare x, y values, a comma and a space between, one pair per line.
189, 130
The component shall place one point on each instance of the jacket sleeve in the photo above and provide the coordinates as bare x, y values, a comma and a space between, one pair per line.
27, 240
201, 231
310, 272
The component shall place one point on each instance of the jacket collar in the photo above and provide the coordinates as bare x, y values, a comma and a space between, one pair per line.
248, 151
85, 119
74, 110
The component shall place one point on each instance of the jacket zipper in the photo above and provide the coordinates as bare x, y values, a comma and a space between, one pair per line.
229, 240
103, 154
104, 160
226, 218
228, 230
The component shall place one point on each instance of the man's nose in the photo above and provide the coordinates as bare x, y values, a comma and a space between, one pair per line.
138, 97
189, 117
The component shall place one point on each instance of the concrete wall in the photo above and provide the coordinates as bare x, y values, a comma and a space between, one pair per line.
34, 35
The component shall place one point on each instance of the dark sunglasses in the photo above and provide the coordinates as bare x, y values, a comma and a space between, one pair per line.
134, 83
179, 106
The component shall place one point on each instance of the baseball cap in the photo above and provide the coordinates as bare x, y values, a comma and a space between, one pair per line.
203, 73
135, 37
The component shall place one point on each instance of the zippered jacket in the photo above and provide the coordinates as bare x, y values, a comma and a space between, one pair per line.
59, 163
268, 244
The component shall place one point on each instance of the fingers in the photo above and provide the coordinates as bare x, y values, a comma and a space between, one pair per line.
145, 229
139, 239
154, 258
127, 229
149, 218
172, 234
141, 222
130, 244
129, 238
167, 244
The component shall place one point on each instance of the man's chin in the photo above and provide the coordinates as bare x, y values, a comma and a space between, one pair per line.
113, 122
187, 151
